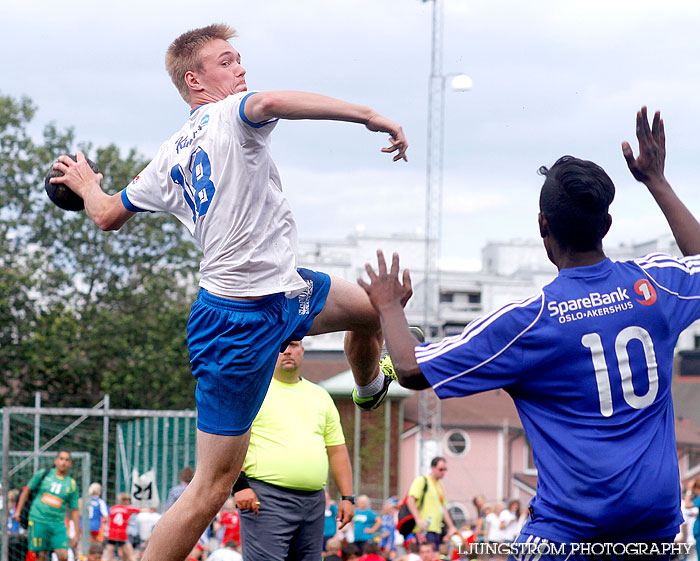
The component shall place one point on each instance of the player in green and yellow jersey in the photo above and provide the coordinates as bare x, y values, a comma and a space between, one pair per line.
54, 493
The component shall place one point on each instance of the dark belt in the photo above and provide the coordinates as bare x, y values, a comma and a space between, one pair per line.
285, 489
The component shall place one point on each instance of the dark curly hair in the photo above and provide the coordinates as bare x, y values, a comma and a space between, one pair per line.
575, 199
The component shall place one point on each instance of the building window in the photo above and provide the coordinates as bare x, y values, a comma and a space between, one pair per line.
529, 460
457, 442
696, 344
453, 329
461, 300
474, 297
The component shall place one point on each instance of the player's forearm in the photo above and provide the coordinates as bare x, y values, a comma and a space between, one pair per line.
684, 226
401, 346
23, 496
341, 469
264, 106
107, 211
76, 521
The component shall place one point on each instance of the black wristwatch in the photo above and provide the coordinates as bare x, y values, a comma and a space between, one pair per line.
350, 498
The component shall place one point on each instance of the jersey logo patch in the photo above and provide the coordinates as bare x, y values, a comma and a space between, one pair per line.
52, 500
305, 298
646, 290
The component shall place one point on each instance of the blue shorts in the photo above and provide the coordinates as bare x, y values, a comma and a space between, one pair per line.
234, 346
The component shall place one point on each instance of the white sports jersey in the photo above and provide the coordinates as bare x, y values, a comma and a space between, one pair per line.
216, 175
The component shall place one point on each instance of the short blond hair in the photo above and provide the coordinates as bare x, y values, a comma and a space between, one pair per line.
182, 55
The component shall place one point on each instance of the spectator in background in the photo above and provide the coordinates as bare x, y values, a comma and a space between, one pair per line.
332, 550
227, 526
690, 515
427, 502
479, 502
493, 524
229, 552
481, 525
95, 552
510, 521
427, 552
330, 524
350, 552
364, 523
692, 501
12, 523
145, 521
370, 552
201, 548
117, 538
185, 476
412, 549
387, 528
98, 513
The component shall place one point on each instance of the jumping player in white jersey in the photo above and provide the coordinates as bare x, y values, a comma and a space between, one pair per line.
216, 175
587, 361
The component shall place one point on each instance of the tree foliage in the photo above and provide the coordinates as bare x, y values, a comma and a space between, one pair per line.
85, 312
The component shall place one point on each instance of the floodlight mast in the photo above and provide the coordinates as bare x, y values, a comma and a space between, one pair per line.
429, 412
429, 407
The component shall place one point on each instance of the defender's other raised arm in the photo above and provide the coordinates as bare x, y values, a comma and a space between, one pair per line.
648, 168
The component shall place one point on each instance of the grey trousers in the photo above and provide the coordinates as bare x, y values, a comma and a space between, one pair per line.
288, 526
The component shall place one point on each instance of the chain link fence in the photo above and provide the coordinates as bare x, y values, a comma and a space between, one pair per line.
108, 446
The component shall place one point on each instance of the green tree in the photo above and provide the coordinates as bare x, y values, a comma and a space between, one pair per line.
86, 312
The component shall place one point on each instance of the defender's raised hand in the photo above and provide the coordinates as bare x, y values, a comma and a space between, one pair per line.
648, 168
385, 288
649, 165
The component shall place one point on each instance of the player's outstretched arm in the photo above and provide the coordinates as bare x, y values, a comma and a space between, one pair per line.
386, 291
264, 106
107, 211
648, 168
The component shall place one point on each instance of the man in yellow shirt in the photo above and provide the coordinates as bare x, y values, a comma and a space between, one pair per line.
294, 439
428, 505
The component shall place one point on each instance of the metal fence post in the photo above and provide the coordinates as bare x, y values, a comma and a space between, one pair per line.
5, 481
105, 447
37, 430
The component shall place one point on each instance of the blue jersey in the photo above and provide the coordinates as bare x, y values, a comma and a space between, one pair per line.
362, 522
588, 363
97, 510
387, 533
330, 526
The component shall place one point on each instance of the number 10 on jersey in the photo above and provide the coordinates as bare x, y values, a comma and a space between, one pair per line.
593, 342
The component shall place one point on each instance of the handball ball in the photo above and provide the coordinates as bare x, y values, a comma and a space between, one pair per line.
60, 194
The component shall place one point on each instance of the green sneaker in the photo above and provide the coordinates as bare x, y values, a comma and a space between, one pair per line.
387, 367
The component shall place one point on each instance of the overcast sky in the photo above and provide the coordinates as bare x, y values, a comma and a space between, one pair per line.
550, 78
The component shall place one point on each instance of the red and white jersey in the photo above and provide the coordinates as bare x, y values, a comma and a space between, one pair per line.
217, 177
232, 526
118, 521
